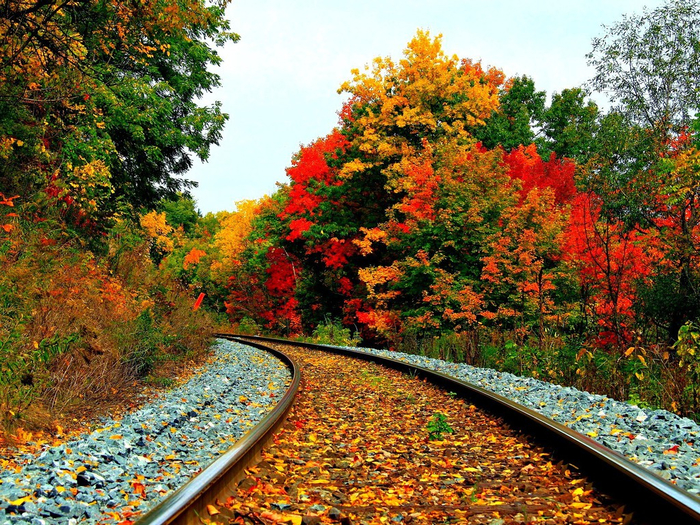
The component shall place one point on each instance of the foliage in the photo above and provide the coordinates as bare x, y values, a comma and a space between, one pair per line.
645, 164
437, 426
413, 253
425, 212
649, 65
263, 282
334, 333
77, 328
452, 211
610, 260
98, 101
520, 110
569, 126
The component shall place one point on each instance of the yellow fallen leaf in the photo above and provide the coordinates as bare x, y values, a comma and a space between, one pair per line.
20, 501
580, 505
212, 510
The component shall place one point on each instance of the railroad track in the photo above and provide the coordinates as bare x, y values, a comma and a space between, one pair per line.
650, 497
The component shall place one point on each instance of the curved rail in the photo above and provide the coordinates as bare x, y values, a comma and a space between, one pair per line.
188, 503
651, 496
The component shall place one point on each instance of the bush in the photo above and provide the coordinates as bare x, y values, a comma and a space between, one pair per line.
645, 376
462, 347
141, 347
334, 333
76, 328
248, 326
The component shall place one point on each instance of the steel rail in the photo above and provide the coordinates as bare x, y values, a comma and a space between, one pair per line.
219, 479
649, 496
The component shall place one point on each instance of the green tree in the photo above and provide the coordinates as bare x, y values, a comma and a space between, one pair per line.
649, 66
569, 126
646, 170
181, 212
98, 100
520, 111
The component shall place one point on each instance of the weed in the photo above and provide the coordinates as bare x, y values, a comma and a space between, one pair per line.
475, 492
374, 380
438, 426
160, 382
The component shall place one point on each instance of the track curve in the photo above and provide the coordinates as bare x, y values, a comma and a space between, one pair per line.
187, 504
649, 495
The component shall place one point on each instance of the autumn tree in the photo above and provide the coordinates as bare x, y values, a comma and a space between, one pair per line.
611, 262
264, 279
377, 176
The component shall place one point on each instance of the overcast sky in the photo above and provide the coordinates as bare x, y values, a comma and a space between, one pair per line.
280, 81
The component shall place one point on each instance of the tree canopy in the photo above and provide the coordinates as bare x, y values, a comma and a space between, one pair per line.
98, 99
649, 65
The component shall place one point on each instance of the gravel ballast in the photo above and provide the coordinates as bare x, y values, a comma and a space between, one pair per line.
127, 466
664, 442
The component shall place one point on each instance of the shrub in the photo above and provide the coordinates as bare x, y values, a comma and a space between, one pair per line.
77, 328
334, 333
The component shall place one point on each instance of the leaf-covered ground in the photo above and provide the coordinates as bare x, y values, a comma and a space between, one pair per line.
358, 449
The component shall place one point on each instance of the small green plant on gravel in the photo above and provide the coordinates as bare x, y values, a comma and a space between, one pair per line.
437, 426
475, 492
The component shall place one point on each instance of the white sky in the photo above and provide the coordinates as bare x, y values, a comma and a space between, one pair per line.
280, 81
